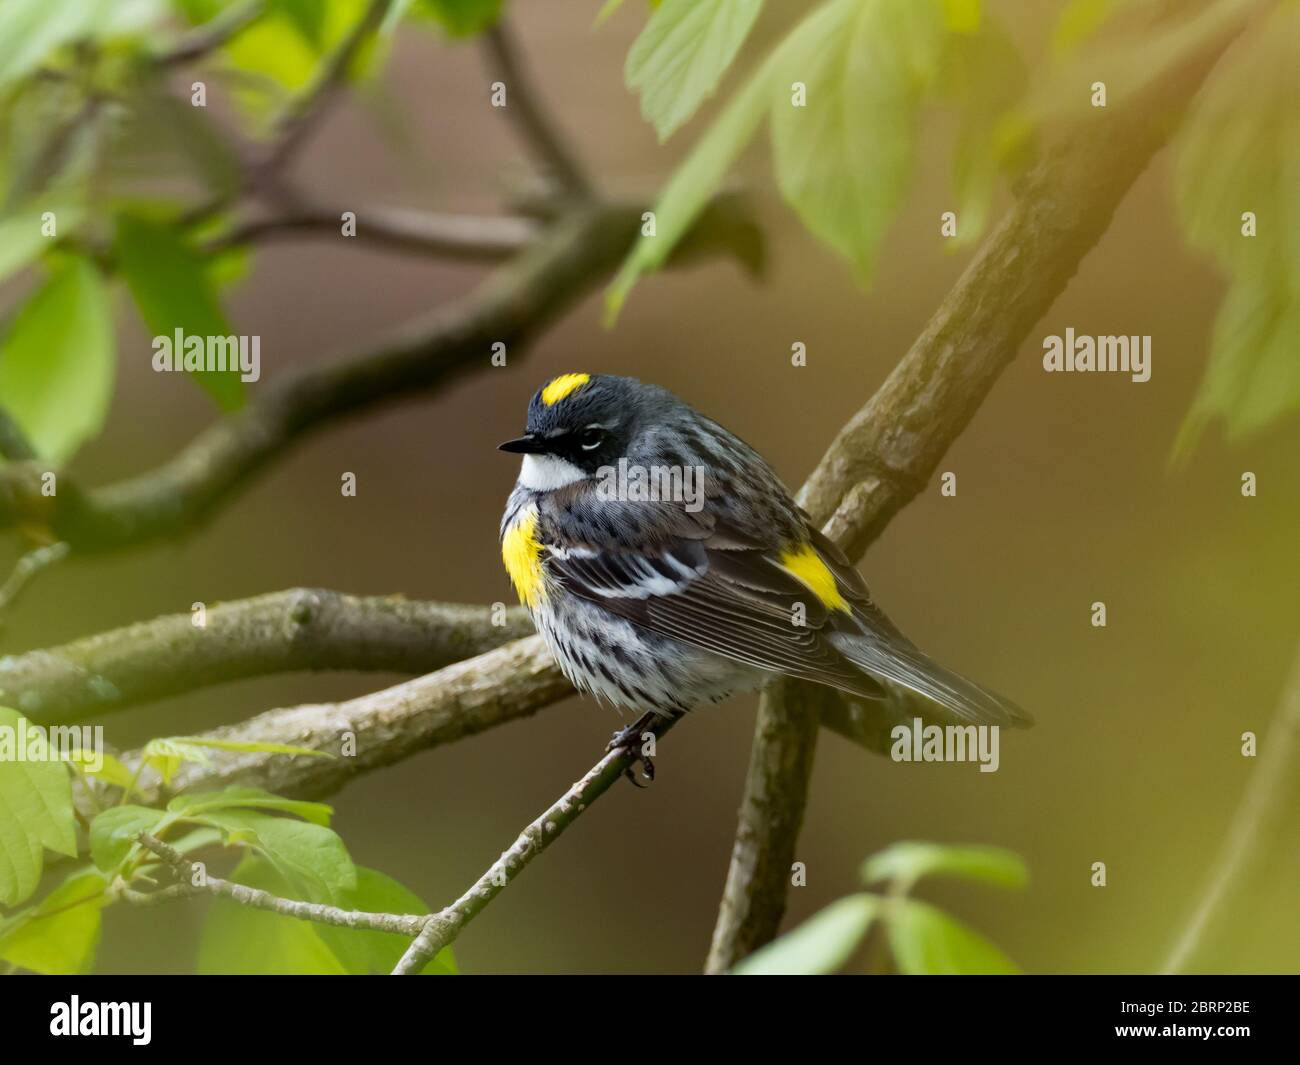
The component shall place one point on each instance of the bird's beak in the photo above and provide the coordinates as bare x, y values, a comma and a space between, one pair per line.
527, 444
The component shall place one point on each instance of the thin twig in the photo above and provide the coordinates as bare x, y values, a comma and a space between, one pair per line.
305, 112
447, 924
28, 567
462, 238
1266, 809
196, 881
523, 104
213, 34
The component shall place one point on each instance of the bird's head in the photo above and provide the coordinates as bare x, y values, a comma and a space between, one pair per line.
579, 423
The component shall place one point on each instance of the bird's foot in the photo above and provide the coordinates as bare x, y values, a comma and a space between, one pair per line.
629, 740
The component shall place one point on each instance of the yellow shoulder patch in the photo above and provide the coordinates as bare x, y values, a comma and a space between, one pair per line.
806, 565
563, 386
522, 553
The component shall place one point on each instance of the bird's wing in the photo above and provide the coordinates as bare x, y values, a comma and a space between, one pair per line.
802, 611
717, 590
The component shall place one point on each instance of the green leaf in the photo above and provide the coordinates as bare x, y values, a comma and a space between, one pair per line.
905, 863
1253, 378
250, 746
1239, 151
56, 361
463, 18
311, 856
110, 770
229, 266
821, 944
606, 10
170, 283
1078, 21
60, 935
113, 832
35, 807
197, 839
928, 942
963, 16
378, 952
167, 753
21, 238
681, 55
843, 161
31, 30
307, 16
1128, 60
188, 805
985, 77
692, 185
274, 61
239, 940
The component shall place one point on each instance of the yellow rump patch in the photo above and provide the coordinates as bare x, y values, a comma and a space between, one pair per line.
804, 563
562, 386
522, 553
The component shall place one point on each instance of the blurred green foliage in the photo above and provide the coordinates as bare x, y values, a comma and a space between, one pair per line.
923, 940
284, 846
106, 176
843, 152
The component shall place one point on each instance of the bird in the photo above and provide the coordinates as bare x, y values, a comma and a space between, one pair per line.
667, 567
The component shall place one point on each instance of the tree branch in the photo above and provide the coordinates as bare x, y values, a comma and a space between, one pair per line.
1267, 808
303, 114
400, 924
384, 727
461, 238
37, 559
887, 453
213, 34
512, 305
523, 104
464, 699
298, 629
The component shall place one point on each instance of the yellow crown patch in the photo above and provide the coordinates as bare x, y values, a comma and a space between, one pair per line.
562, 386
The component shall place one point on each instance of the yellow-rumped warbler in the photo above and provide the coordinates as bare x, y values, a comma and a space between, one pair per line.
667, 566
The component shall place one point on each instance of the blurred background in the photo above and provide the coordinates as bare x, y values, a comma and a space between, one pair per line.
1064, 498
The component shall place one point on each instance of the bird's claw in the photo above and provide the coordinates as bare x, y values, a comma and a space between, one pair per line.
628, 740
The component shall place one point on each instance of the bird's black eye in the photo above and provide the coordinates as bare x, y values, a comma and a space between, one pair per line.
591, 438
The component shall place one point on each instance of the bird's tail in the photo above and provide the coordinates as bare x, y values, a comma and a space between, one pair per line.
891, 658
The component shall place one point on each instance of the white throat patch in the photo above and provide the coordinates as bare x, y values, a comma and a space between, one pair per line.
545, 473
